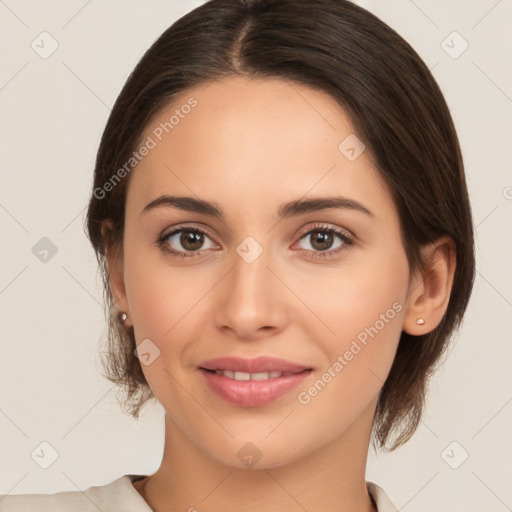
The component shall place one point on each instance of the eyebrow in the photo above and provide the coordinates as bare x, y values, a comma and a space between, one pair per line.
286, 210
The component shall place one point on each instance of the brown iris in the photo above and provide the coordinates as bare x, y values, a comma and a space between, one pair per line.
191, 240
321, 240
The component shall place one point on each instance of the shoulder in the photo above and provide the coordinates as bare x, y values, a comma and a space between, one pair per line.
382, 502
117, 496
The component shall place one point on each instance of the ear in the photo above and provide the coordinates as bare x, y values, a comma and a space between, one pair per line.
114, 257
429, 295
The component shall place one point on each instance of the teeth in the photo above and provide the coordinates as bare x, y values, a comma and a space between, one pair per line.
251, 376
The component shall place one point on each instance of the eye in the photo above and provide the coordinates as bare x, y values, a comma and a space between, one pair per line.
188, 241
322, 238
184, 241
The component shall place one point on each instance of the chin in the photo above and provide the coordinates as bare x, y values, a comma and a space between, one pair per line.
255, 455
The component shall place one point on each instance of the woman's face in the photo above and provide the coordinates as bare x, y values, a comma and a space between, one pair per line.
260, 282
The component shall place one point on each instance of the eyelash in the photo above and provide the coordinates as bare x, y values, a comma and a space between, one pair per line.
345, 238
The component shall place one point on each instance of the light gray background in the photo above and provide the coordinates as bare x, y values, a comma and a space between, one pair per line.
53, 112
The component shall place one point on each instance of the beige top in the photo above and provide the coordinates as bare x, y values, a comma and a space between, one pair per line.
119, 496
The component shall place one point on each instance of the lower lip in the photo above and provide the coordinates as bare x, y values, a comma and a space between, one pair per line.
252, 393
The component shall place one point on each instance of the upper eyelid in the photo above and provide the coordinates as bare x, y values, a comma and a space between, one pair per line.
196, 227
327, 227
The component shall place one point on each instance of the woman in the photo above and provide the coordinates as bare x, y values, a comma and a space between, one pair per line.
281, 216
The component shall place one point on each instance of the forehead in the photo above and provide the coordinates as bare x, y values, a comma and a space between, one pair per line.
256, 141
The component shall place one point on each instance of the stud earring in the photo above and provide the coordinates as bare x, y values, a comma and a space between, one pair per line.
122, 317
420, 321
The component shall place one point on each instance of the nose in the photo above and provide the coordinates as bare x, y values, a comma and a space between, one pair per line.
250, 301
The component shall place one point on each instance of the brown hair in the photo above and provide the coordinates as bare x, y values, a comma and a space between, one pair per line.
397, 108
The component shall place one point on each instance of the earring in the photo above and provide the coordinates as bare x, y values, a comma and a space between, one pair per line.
420, 321
122, 317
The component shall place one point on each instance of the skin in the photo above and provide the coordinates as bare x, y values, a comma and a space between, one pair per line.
249, 146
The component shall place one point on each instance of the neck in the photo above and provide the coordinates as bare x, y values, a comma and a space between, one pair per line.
329, 478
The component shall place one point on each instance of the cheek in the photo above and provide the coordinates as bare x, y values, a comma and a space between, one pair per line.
164, 300
359, 356
146, 287
164, 309
361, 308
353, 296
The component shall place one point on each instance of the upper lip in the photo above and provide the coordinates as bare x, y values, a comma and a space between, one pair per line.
255, 365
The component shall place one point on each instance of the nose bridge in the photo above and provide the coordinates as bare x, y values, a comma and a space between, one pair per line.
250, 277
251, 299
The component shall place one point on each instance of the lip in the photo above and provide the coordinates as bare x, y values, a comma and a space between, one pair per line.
255, 365
252, 393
